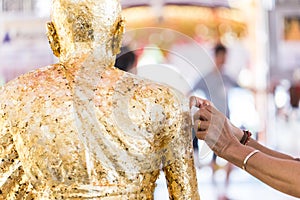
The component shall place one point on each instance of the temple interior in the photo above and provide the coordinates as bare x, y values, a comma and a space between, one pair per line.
173, 42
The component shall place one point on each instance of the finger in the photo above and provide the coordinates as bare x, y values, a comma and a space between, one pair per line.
193, 101
198, 102
197, 115
203, 114
211, 108
201, 135
201, 125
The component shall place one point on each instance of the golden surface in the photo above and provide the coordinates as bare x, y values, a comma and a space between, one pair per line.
208, 24
82, 129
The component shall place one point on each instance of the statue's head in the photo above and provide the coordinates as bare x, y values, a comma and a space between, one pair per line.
81, 27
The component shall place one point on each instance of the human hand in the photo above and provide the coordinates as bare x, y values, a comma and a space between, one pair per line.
213, 127
198, 102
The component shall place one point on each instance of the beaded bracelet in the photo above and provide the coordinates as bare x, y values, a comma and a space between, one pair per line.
246, 137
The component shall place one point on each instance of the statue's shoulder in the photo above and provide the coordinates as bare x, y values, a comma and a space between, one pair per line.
34, 82
153, 91
41, 76
163, 89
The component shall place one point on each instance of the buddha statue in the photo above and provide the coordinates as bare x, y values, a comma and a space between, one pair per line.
83, 129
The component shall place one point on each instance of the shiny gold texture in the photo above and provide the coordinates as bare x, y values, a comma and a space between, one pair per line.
53, 39
82, 129
81, 24
118, 35
87, 26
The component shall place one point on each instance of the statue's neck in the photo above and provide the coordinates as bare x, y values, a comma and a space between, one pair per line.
88, 63
88, 57
86, 71
86, 75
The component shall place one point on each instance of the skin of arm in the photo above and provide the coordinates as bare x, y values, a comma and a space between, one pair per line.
256, 145
279, 173
277, 170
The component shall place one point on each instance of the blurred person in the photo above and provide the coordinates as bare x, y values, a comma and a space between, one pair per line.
280, 91
294, 93
83, 129
215, 86
278, 170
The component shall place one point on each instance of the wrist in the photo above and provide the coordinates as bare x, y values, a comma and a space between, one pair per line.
238, 133
236, 154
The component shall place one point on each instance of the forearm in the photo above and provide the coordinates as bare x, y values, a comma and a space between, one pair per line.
270, 152
277, 170
281, 174
256, 145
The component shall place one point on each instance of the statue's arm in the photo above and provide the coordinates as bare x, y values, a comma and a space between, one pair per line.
179, 162
13, 182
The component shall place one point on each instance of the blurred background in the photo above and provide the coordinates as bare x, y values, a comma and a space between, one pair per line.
173, 43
